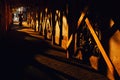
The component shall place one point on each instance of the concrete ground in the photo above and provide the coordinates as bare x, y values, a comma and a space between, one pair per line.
27, 56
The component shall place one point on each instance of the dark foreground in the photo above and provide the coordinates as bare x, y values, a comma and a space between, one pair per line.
25, 57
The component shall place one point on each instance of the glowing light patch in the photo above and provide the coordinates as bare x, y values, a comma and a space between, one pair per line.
111, 22
57, 33
64, 32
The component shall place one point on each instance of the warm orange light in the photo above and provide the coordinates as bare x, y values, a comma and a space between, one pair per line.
82, 16
114, 48
111, 22
69, 41
64, 31
109, 64
46, 9
36, 25
57, 32
57, 11
80, 19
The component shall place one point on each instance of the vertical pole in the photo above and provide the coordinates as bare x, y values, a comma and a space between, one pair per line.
60, 39
53, 26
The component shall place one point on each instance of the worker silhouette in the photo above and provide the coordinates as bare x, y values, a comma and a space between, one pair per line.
20, 19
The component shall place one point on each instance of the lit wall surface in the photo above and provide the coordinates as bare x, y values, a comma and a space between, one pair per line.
115, 50
64, 32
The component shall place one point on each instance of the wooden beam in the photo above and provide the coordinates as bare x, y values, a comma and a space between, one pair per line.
78, 24
107, 60
81, 17
69, 41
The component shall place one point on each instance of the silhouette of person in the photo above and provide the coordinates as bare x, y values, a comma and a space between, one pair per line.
20, 19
